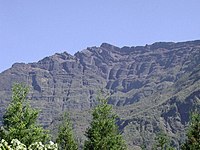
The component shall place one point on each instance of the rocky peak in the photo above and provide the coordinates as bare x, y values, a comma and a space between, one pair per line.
109, 47
59, 57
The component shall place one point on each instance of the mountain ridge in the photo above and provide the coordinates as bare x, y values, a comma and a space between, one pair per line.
123, 47
148, 86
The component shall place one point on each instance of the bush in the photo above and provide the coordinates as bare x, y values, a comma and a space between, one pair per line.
17, 145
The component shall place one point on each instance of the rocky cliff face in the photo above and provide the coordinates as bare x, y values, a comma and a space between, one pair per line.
151, 87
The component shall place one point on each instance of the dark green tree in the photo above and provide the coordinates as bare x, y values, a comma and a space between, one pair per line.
65, 137
193, 135
162, 142
103, 133
20, 120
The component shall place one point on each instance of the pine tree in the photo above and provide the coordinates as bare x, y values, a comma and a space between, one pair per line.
65, 137
193, 134
20, 120
103, 132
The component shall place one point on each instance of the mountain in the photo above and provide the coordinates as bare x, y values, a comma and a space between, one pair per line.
151, 87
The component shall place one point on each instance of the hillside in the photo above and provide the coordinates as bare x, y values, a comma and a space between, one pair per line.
151, 87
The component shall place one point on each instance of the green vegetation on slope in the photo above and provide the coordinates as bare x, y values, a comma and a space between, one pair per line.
193, 135
20, 122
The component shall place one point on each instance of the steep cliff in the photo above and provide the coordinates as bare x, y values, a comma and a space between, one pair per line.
151, 87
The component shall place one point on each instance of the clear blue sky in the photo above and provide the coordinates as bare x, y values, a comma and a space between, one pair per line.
33, 29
